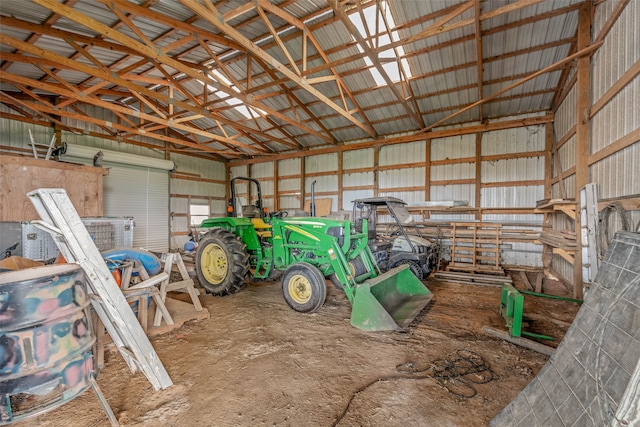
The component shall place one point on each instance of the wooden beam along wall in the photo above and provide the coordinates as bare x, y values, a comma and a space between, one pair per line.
376, 168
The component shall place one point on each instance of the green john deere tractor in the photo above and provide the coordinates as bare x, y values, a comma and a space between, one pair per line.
306, 250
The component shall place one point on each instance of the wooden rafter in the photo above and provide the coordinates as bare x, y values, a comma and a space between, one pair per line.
9, 77
532, 76
211, 14
308, 34
60, 61
156, 54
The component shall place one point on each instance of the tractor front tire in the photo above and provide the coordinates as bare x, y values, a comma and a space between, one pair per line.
222, 262
304, 287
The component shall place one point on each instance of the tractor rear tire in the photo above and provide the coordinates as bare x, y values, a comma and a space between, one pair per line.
222, 262
304, 287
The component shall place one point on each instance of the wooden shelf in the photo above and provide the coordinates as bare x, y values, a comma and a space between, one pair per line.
568, 206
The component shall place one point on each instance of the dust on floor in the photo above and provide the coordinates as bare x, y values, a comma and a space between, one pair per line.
256, 362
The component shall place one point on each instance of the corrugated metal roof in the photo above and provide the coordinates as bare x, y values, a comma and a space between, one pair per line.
443, 63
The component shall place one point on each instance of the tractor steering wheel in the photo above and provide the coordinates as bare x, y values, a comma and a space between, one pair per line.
280, 214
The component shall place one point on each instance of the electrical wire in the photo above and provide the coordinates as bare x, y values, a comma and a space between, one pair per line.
457, 375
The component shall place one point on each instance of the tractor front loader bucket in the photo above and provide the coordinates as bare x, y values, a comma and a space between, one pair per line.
390, 301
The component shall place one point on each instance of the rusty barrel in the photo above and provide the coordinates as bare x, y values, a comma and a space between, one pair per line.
46, 338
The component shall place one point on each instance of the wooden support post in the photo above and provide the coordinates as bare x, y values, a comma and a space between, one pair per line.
276, 199
302, 181
548, 147
478, 175
427, 177
340, 155
582, 132
376, 169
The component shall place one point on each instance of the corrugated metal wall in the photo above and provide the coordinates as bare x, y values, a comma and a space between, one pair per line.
614, 125
191, 185
512, 155
15, 134
325, 166
264, 172
289, 186
452, 148
357, 185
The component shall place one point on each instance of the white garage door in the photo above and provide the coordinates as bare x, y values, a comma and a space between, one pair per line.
132, 190
142, 193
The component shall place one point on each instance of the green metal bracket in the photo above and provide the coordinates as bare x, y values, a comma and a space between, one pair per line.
511, 308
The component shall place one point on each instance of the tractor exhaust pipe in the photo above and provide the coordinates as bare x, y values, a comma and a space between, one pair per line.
312, 206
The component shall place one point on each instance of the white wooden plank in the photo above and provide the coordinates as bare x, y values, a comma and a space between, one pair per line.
75, 243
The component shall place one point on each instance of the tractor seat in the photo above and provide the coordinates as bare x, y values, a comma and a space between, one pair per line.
262, 228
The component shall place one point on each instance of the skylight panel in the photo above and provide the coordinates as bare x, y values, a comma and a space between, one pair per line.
244, 109
377, 37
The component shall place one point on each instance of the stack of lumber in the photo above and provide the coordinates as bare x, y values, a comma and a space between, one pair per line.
473, 278
564, 240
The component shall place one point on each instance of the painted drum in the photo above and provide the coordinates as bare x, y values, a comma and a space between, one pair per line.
46, 338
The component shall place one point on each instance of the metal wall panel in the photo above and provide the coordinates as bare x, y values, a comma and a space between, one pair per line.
289, 184
402, 153
289, 167
289, 203
210, 169
507, 170
195, 188
567, 154
511, 197
394, 178
453, 171
618, 118
262, 170
321, 163
620, 49
411, 197
357, 179
565, 117
356, 159
349, 196
238, 171
453, 147
454, 192
516, 140
619, 174
16, 134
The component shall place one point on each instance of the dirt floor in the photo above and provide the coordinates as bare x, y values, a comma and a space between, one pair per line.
256, 362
